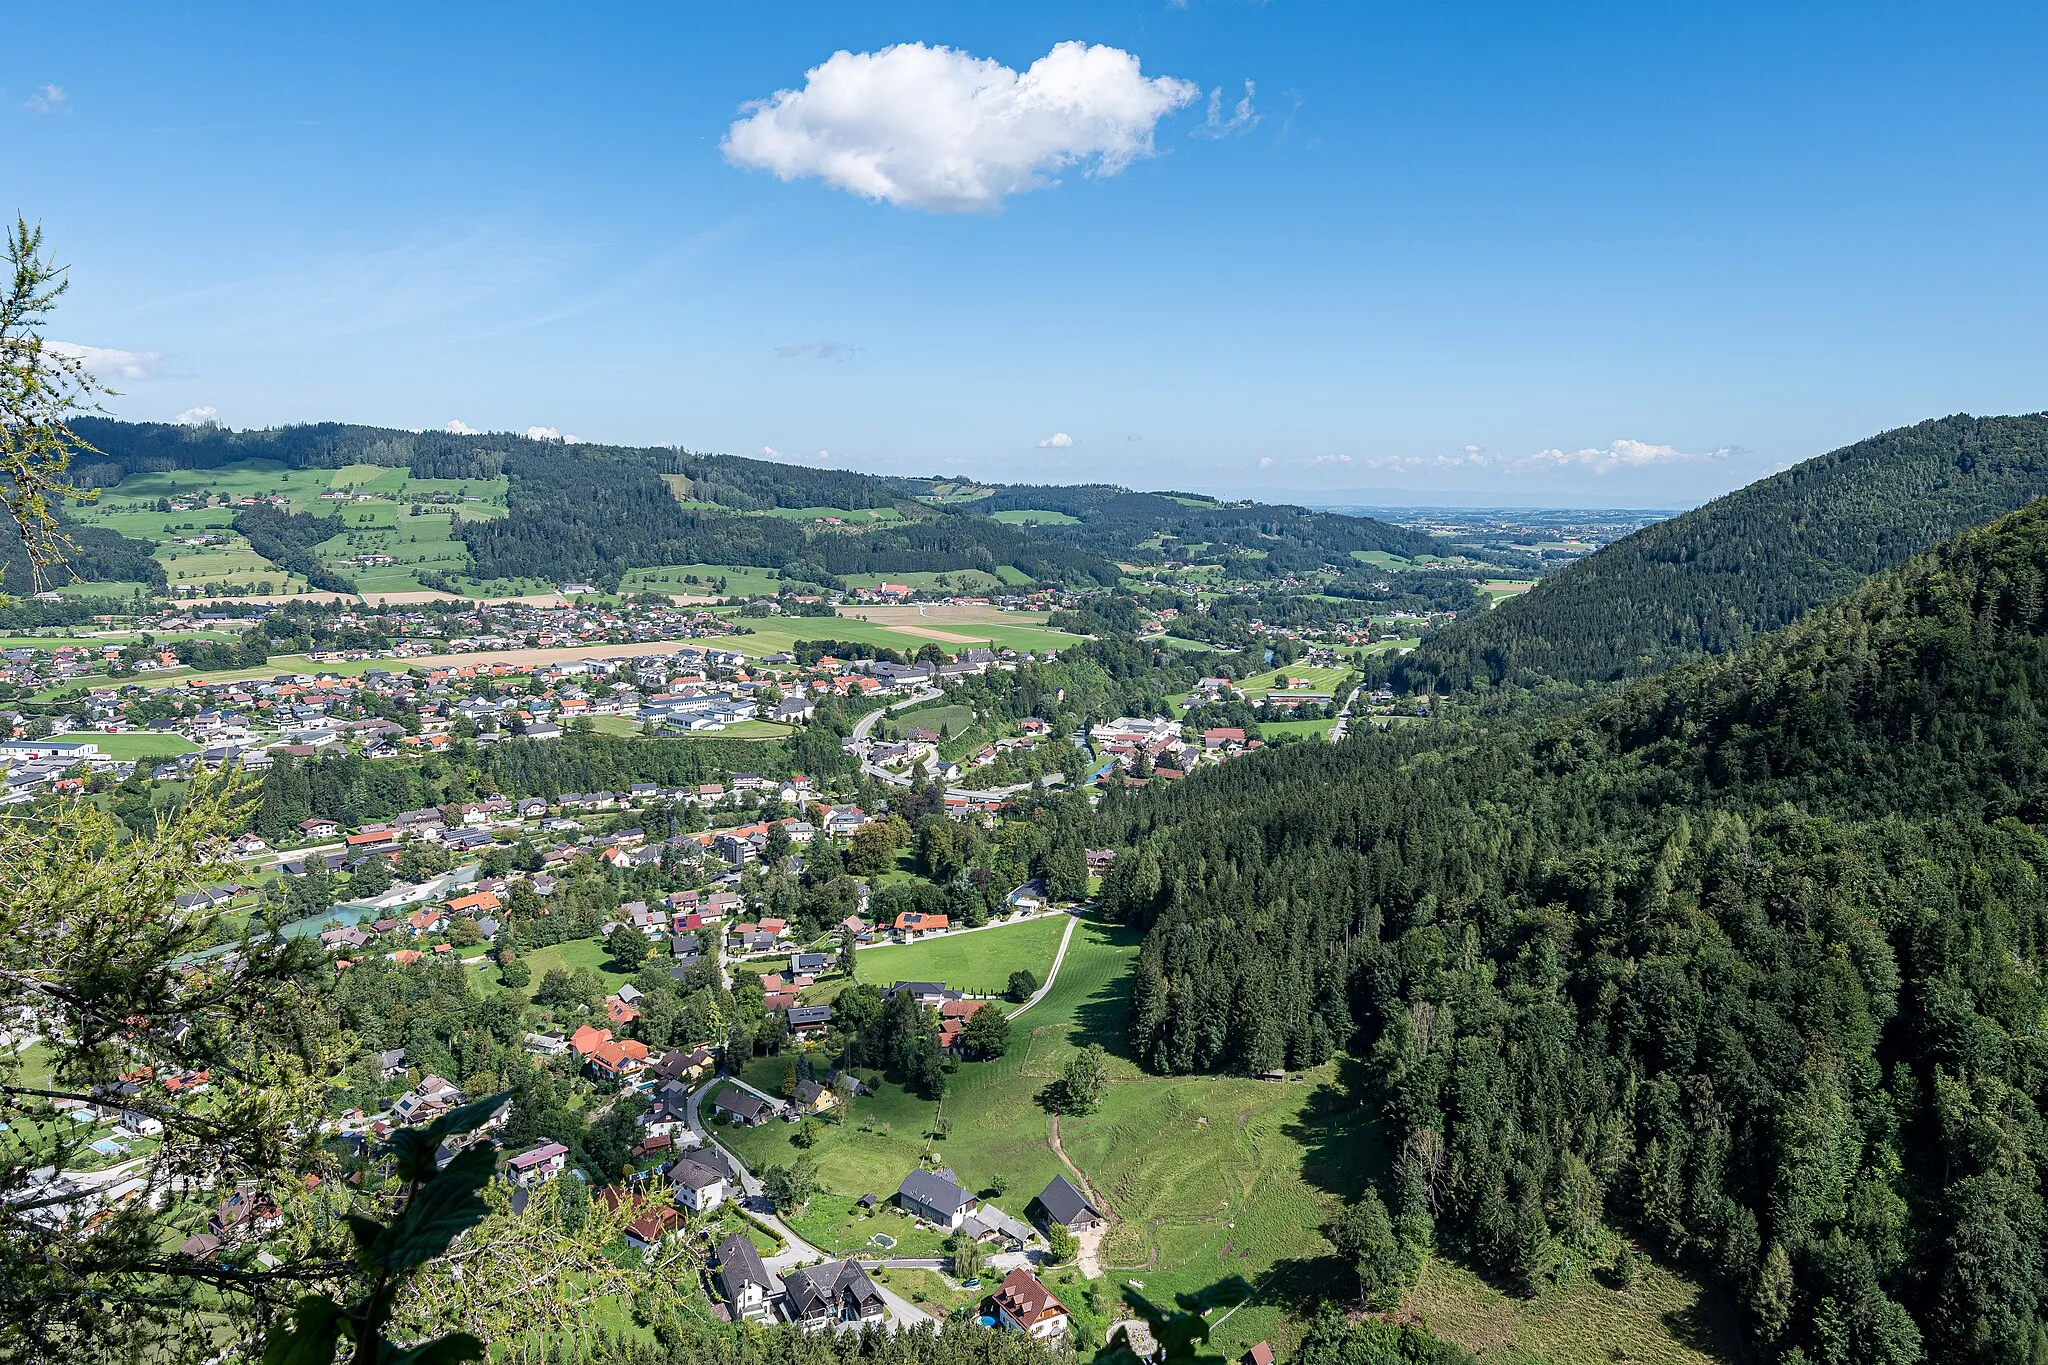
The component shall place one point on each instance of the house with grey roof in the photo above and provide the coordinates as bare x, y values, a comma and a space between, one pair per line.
832, 1294
934, 1197
1062, 1203
749, 1286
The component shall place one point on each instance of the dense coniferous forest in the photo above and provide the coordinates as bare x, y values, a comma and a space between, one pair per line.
583, 513
1745, 959
1750, 562
95, 555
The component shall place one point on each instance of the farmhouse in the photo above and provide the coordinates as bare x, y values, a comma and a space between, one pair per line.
934, 1197
1060, 1202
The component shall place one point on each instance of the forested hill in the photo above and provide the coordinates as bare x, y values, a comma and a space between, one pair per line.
1252, 540
590, 511
1712, 579
1744, 959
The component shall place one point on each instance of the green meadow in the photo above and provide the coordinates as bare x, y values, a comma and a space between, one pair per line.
978, 962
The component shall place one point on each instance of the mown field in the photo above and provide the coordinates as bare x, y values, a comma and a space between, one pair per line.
978, 962
738, 580
770, 635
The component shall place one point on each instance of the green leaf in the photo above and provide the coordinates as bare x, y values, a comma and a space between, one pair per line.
448, 1350
370, 1236
311, 1340
467, 1117
445, 1206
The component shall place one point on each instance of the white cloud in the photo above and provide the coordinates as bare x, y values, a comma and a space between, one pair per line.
543, 434
942, 130
819, 350
1265, 461
458, 427
1328, 459
197, 417
574, 440
1134, 436
48, 99
1059, 440
111, 364
771, 453
1622, 454
1243, 118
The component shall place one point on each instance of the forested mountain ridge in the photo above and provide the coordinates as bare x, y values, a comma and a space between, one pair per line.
1118, 522
1744, 959
591, 512
1710, 580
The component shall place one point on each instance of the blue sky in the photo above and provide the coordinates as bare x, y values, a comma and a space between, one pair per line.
1570, 254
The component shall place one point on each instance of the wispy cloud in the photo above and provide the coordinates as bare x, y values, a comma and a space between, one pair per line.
942, 130
197, 417
48, 99
1243, 117
109, 363
819, 350
1059, 440
1315, 460
458, 427
1622, 454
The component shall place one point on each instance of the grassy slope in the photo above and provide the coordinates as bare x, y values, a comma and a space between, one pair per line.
979, 962
1208, 1176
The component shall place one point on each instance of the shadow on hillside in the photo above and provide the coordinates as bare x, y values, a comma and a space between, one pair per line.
1302, 1284
1103, 1016
1343, 1149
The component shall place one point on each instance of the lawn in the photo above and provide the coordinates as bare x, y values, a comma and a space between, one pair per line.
979, 962
130, 747
576, 953
764, 730
953, 718
1313, 729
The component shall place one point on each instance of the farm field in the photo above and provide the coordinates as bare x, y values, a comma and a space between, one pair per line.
1319, 680
387, 526
1034, 516
772, 634
741, 580
979, 962
1313, 729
